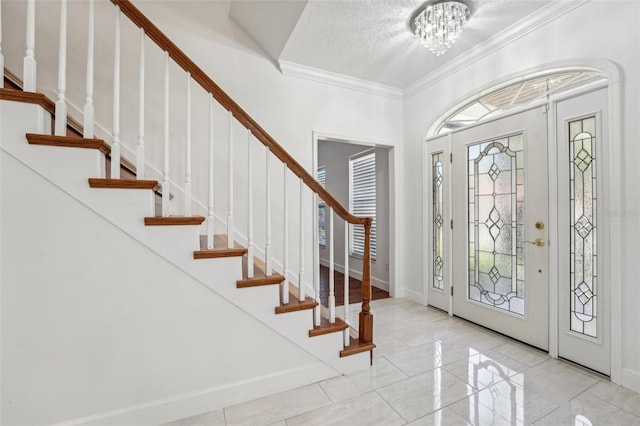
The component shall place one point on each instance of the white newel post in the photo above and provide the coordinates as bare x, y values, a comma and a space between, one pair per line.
347, 339
301, 294
230, 188
115, 145
285, 246
210, 217
332, 296
187, 159
89, 109
30, 66
165, 142
140, 162
317, 318
61, 103
267, 248
250, 265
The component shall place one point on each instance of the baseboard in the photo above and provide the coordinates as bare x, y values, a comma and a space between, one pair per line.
376, 282
187, 405
413, 295
631, 379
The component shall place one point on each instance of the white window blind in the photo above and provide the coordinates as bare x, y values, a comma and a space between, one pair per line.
362, 199
321, 176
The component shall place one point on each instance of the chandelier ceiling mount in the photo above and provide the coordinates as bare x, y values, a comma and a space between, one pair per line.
439, 24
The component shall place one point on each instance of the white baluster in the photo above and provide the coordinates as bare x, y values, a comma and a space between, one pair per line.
187, 165
285, 254
332, 296
115, 145
347, 339
61, 103
210, 218
29, 64
267, 248
301, 247
165, 142
230, 189
1, 55
89, 109
140, 161
317, 318
250, 269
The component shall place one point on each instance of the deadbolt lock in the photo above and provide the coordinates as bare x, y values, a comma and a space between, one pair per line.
539, 225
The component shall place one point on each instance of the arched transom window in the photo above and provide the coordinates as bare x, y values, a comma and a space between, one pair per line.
498, 100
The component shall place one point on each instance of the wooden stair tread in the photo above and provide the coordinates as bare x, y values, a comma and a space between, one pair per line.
356, 347
173, 220
326, 327
122, 183
295, 305
219, 253
68, 141
259, 281
27, 97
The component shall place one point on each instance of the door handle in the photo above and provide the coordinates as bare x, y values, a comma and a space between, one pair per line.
537, 242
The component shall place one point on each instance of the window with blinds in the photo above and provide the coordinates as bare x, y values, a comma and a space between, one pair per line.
321, 177
362, 199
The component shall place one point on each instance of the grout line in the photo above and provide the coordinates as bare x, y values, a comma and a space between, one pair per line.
392, 407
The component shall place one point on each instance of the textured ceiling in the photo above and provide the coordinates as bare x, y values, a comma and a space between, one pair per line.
370, 39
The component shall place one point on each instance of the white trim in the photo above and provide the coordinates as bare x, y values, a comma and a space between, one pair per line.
427, 235
394, 225
614, 204
631, 379
553, 226
543, 16
340, 80
179, 406
413, 295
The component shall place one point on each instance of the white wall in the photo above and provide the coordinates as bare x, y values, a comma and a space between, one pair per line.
289, 108
596, 30
335, 157
86, 331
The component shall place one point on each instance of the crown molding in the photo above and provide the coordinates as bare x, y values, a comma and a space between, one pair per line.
340, 80
547, 14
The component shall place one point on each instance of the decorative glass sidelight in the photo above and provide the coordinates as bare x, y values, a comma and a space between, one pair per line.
582, 193
438, 221
496, 223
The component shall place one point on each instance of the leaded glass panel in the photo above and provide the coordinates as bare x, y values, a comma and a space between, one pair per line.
496, 223
438, 221
583, 231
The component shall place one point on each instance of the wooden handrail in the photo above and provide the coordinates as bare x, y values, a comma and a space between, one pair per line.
198, 75
180, 58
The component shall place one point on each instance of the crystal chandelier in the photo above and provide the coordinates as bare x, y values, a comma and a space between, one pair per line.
439, 25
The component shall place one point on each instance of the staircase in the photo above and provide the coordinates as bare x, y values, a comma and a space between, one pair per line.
92, 171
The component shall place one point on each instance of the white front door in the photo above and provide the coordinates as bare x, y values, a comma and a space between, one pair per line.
500, 210
583, 305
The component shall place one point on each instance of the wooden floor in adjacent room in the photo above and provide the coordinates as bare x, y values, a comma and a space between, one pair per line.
355, 289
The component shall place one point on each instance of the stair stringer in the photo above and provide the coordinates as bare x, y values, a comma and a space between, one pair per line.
70, 168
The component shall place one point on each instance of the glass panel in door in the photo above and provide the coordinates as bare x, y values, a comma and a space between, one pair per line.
583, 298
438, 246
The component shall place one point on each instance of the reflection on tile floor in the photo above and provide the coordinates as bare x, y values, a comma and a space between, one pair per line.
431, 369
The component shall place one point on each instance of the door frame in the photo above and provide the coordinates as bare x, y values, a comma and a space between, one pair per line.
611, 207
393, 189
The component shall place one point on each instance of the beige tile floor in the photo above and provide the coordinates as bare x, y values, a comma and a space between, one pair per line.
430, 369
